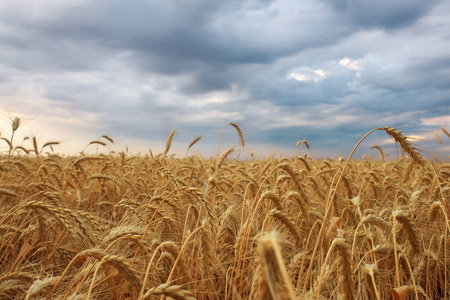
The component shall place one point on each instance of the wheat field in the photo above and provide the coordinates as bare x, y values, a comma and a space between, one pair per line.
112, 226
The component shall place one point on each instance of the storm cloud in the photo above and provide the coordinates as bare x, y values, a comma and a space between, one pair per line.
325, 71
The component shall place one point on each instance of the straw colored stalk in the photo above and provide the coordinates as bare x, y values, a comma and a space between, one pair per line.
379, 150
119, 263
346, 278
273, 280
192, 144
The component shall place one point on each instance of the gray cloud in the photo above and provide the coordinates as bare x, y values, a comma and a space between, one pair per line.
284, 71
382, 14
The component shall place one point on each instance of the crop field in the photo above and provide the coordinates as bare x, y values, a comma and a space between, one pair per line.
112, 226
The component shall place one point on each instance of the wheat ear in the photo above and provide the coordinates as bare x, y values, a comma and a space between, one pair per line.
283, 218
273, 278
173, 291
222, 158
299, 143
238, 129
40, 287
346, 280
411, 232
108, 138
379, 150
169, 142
273, 197
370, 272
192, 144
241, 136
445, 131
119, 263
404, 144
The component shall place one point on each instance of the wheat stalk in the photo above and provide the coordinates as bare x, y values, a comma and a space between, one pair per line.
238, 129
411, 232
371, 275
192, 144
119, 263
274, 279
380, 150
169, 142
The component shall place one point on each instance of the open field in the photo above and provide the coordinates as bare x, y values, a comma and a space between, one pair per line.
117, 227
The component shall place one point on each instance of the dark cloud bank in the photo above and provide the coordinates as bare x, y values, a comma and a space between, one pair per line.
326, 71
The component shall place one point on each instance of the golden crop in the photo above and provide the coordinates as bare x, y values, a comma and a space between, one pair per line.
117, 227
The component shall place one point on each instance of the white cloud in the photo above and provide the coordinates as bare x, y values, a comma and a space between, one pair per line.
349, 63
437, 121
291, 121
320, 72
307, 74
213, 115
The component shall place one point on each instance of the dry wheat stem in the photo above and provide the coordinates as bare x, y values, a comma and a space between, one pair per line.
372, 271
273, 265
192, 144
398, 137
238, 129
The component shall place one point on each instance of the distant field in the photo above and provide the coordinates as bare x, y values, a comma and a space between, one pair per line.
117, 227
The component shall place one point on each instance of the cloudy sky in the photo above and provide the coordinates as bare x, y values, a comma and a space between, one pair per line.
324, 71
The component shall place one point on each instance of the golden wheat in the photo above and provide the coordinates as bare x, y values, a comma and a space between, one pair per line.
116, 227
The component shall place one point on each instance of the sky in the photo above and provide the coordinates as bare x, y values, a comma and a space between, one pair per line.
324, 71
